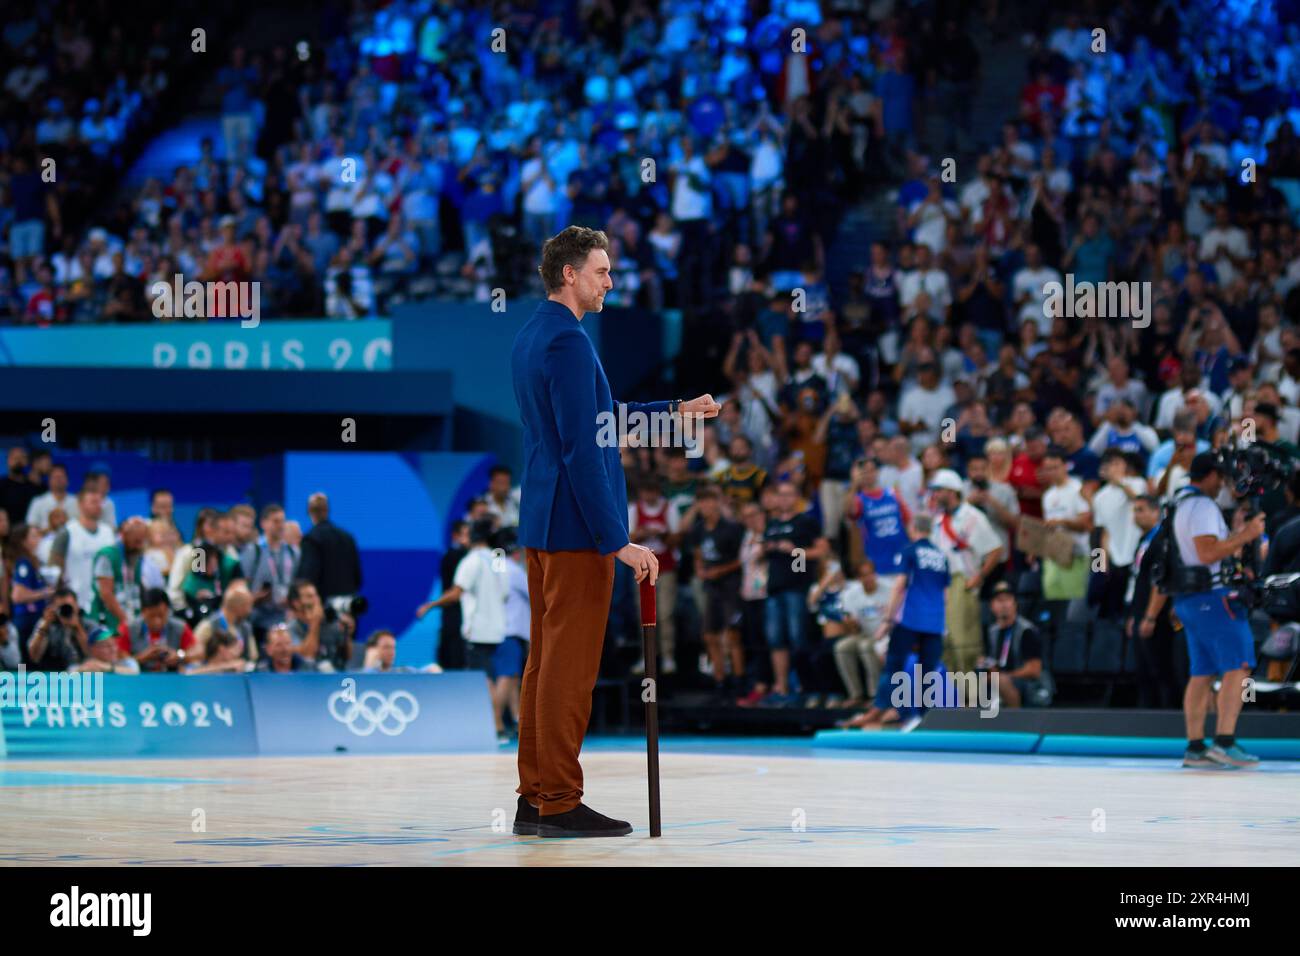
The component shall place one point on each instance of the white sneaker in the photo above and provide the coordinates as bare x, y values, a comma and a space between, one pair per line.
668, 666
909, 725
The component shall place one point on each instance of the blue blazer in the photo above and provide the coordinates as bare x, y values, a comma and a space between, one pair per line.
573, 495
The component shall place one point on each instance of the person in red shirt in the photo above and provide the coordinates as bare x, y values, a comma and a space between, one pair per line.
1043, 95
1024, 473
156, 640
654, 523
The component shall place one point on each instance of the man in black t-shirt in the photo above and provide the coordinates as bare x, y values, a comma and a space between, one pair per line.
715, 542
793, 544
1015, 652
17, 488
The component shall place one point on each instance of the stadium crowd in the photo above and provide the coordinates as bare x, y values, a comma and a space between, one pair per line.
943, 393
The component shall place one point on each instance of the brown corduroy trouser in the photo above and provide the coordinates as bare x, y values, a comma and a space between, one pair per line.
569, 594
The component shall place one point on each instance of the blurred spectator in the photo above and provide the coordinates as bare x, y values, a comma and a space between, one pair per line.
223, 653
75, 547
121, 576
274, 565
654, 523
281, 656
58, 641
157, 640
330, 559
1014, 653
715, 541
17, 488
502, 499
326, 643
233, 620
106, 655
38, 512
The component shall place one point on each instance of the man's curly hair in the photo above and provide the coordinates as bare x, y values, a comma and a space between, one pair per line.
568, 248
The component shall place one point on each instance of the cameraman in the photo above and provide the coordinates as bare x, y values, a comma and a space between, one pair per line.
58, 641
1219, 639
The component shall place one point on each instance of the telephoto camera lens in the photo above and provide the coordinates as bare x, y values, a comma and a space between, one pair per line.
67, 611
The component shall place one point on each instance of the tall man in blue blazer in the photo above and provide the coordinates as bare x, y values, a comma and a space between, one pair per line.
572, 524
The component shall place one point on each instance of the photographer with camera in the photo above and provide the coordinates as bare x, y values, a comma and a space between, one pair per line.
212, 568
320, 634
1214, 618
58, 641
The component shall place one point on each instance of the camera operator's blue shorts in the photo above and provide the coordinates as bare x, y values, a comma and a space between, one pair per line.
498, 660
1218, 632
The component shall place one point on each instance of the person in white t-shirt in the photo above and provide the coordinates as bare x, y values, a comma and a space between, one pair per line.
75, 547
1225, 245
903, 475
1028, 289
1112, 511
864, 601
38, 512
973, 549
481, 584
922, 407
518, 620
502, 500
1065, 507
925, 278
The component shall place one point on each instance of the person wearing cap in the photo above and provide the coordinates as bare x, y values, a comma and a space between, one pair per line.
973, 551
1216, 622
105, 655
1015, 653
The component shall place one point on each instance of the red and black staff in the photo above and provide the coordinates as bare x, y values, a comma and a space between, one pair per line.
652, 701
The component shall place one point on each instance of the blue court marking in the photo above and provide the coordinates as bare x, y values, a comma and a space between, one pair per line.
807, 748
44, 778
364, 839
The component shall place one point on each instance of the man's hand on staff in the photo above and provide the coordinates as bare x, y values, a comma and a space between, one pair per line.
702, 407
641, 560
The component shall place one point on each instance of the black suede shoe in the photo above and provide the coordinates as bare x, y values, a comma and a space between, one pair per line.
525, 818
581, 821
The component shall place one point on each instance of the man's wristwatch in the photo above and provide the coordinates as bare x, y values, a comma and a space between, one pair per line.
674, 406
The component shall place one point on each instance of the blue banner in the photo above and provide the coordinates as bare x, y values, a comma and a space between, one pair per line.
154, 715
363, 345
171, 715
300, 714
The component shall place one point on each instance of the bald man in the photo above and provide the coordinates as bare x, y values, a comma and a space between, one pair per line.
121, 576
330, 559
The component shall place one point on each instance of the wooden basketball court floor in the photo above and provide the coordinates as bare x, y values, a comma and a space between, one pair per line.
768, 802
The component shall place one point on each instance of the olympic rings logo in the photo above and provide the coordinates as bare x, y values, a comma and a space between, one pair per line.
373, 711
